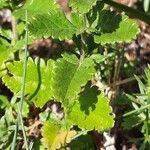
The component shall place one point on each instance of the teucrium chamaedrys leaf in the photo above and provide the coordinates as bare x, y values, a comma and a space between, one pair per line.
53, 24
33, 81
82, 6
36, 7
92, 111
115, 29
47, 19
54, 136
70, 74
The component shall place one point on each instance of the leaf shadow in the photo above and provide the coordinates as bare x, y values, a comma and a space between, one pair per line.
88, 98
108, 21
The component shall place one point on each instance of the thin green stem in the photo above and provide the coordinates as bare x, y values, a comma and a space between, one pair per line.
19, 117
83, 47
23, 128
25, 64
125, 81
129, 11
147, 124
15, 136
137, 111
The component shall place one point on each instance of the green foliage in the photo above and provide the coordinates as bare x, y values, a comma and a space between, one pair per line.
141, 113
70, 75
3, 101
55, 136
54, 24
3, 3
68, 78
5, 55
36, 7
115, 29
82, 142
38, 82
92, 110
81, 6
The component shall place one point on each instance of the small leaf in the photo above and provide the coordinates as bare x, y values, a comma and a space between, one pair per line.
82, 6
92, 111
38, 81
54, 136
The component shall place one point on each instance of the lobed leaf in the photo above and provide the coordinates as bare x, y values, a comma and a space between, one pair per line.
54, 24
36, 7
92, 111
70, 75
82, 6
37, 87
115, 29
54, 136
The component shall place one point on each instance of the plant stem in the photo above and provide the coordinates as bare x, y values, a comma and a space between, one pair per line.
117, 83
25, 65
147, 124
19, 116
137, 111
15, 136
83, 47
129, 11
23, 128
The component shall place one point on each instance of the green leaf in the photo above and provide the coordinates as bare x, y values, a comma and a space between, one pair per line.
84, 142
36, 7
70, 75
5, 54
131, 121
47, 19
3, 101
142, 87
54, 24
3, 3
82, 6
54, 136
38, 81
92, 111
115, 29
79, 22
4, 133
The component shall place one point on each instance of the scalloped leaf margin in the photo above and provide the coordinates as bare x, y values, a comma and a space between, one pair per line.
92, 111
54, 136
82, 6
127, 30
